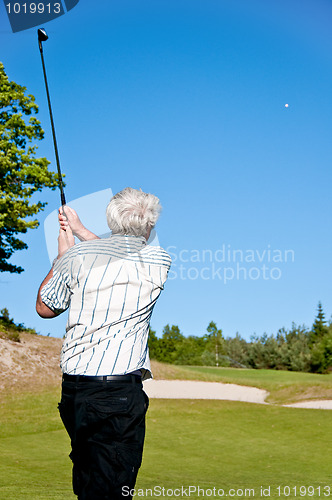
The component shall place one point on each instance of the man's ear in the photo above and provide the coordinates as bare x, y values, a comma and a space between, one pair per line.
147, 236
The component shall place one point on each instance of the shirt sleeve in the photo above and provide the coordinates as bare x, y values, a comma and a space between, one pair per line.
56, 294
164, 261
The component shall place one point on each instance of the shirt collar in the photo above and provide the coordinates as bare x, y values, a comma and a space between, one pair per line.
131, 242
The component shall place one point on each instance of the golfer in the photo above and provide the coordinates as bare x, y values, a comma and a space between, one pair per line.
110, 287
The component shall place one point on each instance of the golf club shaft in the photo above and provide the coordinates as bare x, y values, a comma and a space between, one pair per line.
63, 199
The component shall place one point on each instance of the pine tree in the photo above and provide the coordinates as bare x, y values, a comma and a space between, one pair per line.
319, 328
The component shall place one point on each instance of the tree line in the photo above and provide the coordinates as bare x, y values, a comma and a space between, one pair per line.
296, 349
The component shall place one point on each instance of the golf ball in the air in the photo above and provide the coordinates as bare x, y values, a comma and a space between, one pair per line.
286, 105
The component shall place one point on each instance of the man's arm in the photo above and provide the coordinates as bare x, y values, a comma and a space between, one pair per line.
41, 308
68, 217
65, 241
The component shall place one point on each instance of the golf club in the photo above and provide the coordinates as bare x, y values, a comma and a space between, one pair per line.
42, 37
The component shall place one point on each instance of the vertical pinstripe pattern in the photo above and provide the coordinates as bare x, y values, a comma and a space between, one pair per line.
97, 292
110, 287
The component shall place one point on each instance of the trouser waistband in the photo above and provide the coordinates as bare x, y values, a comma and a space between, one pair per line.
102, 378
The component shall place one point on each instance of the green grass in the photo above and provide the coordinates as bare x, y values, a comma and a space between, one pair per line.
189, 443
283, 386
235, 445
34, 449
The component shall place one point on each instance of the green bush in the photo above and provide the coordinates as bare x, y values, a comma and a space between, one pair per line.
9, 330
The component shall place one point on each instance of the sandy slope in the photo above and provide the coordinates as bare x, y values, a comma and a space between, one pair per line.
31, 364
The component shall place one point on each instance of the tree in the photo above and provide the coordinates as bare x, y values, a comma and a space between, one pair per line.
189, 351
319, 328
217, 339
237, 350
169, 343
321, 361
321, 343
153, 343
294, 347
21, 173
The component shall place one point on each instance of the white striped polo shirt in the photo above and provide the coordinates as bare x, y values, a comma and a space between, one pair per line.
110, 287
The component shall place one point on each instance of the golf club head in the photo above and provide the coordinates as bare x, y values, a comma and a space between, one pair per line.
42, 37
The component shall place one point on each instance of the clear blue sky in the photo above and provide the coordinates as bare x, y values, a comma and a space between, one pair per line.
186, 99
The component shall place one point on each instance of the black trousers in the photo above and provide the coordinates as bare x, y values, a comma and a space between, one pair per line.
105, 421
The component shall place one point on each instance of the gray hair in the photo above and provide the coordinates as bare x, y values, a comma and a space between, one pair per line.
131, 211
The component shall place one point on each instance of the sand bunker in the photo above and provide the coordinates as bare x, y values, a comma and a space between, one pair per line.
188, 389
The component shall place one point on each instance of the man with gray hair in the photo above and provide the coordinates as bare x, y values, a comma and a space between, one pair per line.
110, 287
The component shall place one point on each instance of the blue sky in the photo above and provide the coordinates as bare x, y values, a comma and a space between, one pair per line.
186, 99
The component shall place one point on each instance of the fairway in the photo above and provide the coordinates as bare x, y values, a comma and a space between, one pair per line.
206, 444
